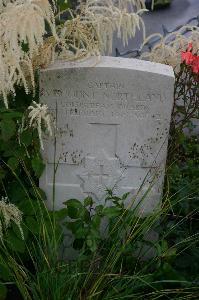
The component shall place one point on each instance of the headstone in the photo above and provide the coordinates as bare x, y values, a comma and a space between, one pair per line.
112, 126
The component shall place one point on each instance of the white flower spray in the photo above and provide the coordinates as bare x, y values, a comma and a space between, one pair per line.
22, 33
91, 31
9, 213
25, 47
39, 116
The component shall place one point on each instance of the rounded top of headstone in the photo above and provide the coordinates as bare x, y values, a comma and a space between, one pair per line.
114, 63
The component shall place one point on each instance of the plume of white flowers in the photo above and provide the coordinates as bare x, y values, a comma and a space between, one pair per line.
91, 31
22, 31
9, 213
25, 47
168, 49
39, 116
124, 4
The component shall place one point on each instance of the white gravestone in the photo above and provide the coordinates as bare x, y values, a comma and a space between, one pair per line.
112, 128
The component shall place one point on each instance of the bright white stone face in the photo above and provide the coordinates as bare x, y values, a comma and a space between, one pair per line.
112, 128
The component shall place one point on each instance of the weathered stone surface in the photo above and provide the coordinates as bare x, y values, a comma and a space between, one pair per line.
112, 124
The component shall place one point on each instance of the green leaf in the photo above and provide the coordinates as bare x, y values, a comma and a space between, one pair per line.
2, 173
111, 212
73, 212
38, 166
81, 232
88, 201
99, 209
8, 113
95, 233
16, 230
63, 4
73, 203
91, 243
32, 224
170, 252
16, 192
26, 138
14, 243
74, 226
26, 206
12, 148
96, 221
164, 245
75, 208
84, 215
117, 199
8, 129
61, 214
125, 196
4, 272
13, 163
38, 193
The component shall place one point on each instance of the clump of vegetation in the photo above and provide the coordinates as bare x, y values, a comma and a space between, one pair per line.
117, 258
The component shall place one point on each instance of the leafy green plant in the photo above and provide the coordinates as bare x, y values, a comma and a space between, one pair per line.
86, 220
20, 161
111, 263
183, 183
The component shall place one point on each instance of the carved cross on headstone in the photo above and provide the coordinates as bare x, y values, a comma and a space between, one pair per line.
100, 173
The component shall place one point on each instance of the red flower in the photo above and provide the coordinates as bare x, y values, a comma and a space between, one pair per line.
187, 57
195, 65
191, 60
